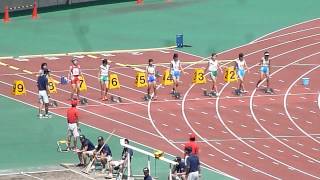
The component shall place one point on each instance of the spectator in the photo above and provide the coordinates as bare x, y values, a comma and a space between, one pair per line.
192, 165
86, 150
105, 155
192, 143
123, 162
178, 171
146, 174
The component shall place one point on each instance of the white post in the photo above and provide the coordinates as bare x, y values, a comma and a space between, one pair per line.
170, 175
149, 166
129, 165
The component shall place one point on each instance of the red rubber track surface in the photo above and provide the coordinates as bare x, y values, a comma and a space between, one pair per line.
248, 137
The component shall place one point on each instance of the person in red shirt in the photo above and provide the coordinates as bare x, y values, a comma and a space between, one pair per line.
192, 143
73, 124
74, 76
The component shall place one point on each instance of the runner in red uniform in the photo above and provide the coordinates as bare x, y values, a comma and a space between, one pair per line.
74, 75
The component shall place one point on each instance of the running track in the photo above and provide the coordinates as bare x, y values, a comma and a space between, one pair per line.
249, 137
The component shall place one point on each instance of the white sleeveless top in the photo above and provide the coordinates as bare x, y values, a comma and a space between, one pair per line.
265, 62
75, 70
104, 70
151, 69
175, 65
240, 64
213, 65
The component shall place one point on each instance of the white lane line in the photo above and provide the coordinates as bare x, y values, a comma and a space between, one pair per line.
296, 156
280, 151
177, 129
51, 58
223, 107
302, 97
236, 111
191, 108
210, 127
281, 80
242, 125
272, 99
160, 110
231, 122
211, 155
260, 157
312, 112
197, 123
108, 55
210, 102
257, 130
319, 101
298, 107
232, 148
165, 125
294, 118
172, 114
315, 149
308, 122
225, 160
311, 161
276, 124
275, 163
240, 165
282, 114
204, 113
262, 120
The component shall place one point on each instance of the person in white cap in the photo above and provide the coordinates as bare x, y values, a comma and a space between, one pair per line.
264, 69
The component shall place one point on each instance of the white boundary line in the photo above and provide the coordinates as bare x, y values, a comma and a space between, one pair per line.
286, 106
90, 53
281, 35
287, 27
319, 100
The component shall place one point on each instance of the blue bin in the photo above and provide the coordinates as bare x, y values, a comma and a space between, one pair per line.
179, 40
305, 81
63, 80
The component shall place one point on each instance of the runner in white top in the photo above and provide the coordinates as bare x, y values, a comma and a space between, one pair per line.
264, 69
241, 67
104, 79
74, 75
175, 69
212, 68
152, 81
